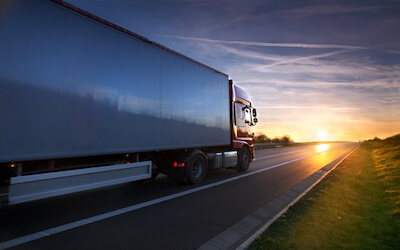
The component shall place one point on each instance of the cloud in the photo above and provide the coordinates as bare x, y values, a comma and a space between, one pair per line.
338, 68
309, 107
266, 44
332, 9
301, 59
278, 60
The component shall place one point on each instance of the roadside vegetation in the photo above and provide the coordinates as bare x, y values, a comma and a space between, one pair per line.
357, 206
261, 138
264, 142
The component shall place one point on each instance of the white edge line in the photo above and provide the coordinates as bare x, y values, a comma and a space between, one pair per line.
252, 238
59, 229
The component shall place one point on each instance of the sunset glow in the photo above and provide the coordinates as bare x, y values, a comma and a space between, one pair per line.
323, 135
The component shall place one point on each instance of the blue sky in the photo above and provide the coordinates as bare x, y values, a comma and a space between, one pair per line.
310, 66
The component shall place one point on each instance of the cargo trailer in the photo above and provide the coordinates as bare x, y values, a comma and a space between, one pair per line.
85, 103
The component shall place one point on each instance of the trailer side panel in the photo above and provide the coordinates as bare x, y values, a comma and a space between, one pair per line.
71, 86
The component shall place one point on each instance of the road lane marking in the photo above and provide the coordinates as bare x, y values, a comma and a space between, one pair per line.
281, 154
59, 229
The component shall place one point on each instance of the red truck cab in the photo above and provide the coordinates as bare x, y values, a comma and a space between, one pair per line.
244, 117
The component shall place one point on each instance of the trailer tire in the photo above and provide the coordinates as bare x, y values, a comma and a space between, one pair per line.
244, 160
196, 167
154, 173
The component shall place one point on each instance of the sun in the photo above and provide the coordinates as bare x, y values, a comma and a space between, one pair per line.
323, 135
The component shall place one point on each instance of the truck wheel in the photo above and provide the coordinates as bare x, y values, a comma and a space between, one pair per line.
196, 168
154, 173
244, 160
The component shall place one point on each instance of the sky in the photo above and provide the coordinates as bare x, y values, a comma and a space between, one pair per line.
315, 70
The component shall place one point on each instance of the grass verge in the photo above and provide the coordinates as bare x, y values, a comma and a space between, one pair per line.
356, 206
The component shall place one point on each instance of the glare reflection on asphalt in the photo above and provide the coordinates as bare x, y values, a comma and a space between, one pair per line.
322, 147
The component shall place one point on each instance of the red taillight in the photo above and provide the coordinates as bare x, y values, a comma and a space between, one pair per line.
179, 164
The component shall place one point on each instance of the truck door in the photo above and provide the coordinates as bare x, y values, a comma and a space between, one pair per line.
243, 122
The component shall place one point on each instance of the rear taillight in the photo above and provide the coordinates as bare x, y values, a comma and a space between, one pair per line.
178, 164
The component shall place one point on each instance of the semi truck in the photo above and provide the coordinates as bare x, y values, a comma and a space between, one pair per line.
85, 103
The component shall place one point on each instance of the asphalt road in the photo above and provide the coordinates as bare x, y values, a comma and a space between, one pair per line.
161, 214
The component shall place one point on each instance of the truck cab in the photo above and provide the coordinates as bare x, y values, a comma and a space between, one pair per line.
244, 117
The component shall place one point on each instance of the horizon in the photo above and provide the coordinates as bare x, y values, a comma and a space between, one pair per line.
315, 70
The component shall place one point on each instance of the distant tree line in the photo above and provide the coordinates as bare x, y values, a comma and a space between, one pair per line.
265, 139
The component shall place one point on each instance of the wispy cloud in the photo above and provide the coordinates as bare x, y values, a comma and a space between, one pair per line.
331, 9
301, 59
343, 49
266, 44
308, 107
336, 69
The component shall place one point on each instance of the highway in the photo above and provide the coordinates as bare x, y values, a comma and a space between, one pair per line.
162, 214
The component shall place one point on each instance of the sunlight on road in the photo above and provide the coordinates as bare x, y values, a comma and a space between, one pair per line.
322, 147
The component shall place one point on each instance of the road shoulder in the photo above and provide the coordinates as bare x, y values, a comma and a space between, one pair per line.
243, 233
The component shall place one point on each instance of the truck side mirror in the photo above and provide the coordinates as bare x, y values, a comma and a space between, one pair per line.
254, 118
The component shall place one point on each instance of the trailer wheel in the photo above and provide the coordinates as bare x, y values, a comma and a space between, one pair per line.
154, 173
244, 160
196, 167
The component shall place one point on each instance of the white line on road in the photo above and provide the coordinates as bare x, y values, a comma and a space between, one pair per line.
79, 223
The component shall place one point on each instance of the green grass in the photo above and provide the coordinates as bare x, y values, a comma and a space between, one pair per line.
357, 206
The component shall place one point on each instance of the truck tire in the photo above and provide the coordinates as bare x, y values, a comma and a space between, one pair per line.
244, 160
196, 167
154, 173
